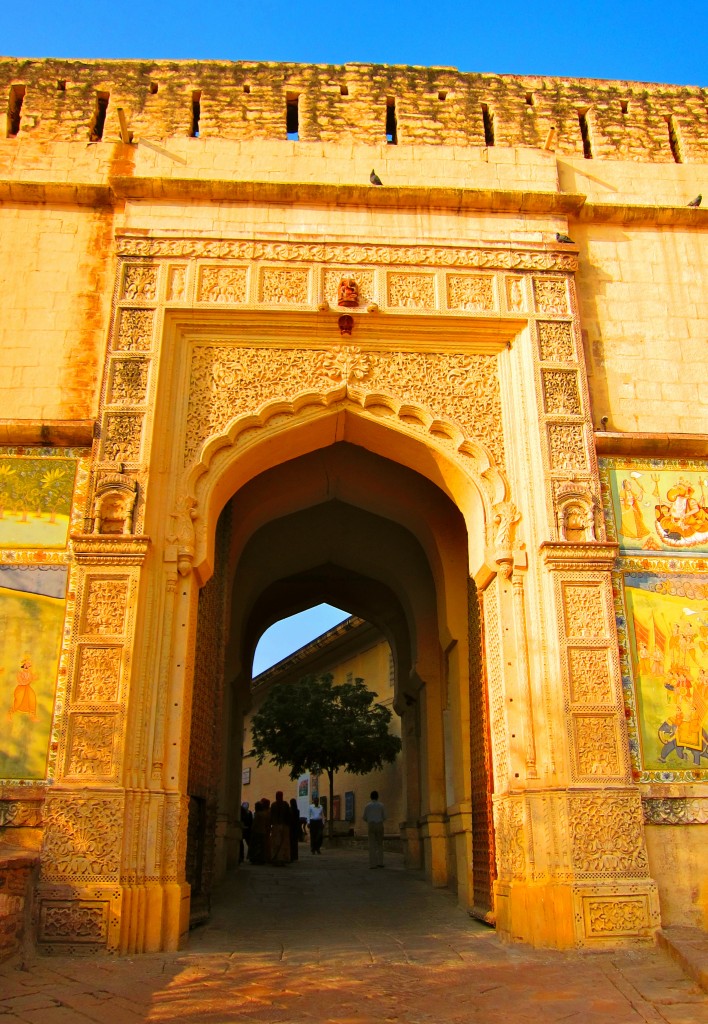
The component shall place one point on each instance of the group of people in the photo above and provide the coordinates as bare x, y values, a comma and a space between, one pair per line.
271, 833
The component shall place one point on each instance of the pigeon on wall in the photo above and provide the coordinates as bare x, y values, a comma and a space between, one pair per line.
565, 239
697, 201
374, 179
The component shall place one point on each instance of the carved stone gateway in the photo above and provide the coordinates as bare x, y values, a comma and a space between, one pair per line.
221, 357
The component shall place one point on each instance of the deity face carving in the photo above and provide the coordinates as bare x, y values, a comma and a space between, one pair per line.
348, 293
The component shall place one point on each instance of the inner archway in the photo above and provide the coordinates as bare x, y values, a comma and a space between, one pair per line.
347, 526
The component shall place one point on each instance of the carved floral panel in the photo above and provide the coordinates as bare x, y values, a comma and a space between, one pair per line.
98, 674
584, 610
555, 342
128, 384
596, 749
560, 392
285, 286
134, 332
551, 295
105, 606
74, 921
509, 839
607, 834
566, 443
91, 745
411, 291
615, 915
472, 292
590, 680
139, 283
222, 284
82, 836
121, 437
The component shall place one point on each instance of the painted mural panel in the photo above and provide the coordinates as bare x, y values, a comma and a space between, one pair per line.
667, 630
32, 604
35, 501
657, 505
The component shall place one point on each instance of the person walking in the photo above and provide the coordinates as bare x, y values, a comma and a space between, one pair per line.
280, 831
295, 828
374, 816
315, 821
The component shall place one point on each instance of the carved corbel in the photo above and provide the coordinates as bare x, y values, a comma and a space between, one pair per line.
182, 534
506, 516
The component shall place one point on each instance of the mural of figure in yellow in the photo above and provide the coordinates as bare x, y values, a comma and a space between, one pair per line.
24, 699
658, 508
631, 495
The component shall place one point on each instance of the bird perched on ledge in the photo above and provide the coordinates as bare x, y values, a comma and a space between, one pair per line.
697, 201
374, 179
564, 239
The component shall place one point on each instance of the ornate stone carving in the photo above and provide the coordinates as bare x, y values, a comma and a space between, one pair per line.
560, 392
465, 291
82, 836
176, 284
566, 443
364, 281
128, 385
285, 286
589, 671
675, 810
74, 921
135, 330
551, 295
555, 342
509, 838
182, 534
97, 674
411, 291
105, 606
17, 813
348, 292
607, 835
139, 282
122, 435
584, 610
515, 295
228, 382
91, 745
496, 690
114, 504
348, 254
222, 284
577, 512
615, 915
596, 748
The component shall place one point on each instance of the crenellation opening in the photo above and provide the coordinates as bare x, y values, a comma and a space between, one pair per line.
530, 100
292, 116
624, 106
98, 121
585, 132
391, 122
488, 121
14, 110
196, 113
674, 139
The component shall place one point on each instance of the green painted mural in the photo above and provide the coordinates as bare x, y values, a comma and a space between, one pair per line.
32, 604
35, 501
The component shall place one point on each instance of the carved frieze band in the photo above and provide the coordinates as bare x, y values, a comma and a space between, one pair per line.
675, 810
348, 254
227, 382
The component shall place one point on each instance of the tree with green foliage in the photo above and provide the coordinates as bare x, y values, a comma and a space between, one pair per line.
313, 726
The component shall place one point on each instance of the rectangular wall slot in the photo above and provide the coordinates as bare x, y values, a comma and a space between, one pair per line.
391, 122
442, 95
529, 99
292, 116
344, 90
674, 140
196, 113
14, 110
98, 121
585, 133
61, 85
247, 88
153, 88
488, 120
624, 106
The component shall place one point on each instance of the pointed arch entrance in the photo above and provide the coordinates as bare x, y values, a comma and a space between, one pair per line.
491, 414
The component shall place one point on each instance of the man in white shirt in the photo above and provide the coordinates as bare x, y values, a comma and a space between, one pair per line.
315, 821
374, 816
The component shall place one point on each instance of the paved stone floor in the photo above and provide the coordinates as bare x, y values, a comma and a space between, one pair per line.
327, 941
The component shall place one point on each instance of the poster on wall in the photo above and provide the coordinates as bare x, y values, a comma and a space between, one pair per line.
35, 501
657, 506
667, 638
32, 605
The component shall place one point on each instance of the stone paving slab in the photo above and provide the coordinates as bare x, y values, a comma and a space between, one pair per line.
325, 941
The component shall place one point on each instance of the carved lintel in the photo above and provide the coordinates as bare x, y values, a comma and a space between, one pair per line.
109, 549
596, 555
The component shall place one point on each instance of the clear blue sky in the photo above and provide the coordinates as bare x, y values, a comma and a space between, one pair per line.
649, 41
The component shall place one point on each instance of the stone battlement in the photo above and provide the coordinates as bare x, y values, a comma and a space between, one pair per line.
72, 100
